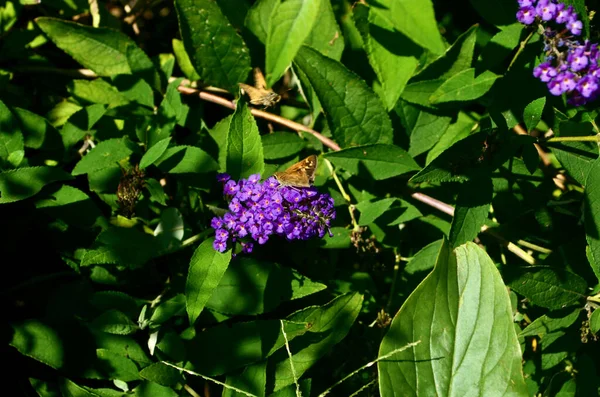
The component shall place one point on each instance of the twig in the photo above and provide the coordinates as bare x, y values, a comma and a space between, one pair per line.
367, 365
191, 391
587, 138
520, 50
287, 347
225, 385
363, 388
259, 113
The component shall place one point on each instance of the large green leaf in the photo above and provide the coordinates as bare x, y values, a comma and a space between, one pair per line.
464, 86
244, 147
281, 144
105, 51
471, 212
105, 154
254, 341
382, 161
217, 51
21, 183
290, 24
185, 160
207, 267
264, 285
461, 314
424, 127
329, 324
72, 206
415, 20
127, 247
354, 113
549, 287
392, 55
326, 36
592, 214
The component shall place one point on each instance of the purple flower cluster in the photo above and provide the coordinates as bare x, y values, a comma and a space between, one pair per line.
570, 67
258, 211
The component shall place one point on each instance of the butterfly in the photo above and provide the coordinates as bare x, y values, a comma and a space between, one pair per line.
260, 94
301, 174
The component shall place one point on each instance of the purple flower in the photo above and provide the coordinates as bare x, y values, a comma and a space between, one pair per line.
525, 3
545, 72
260, 210
575, 26
555, 88
526, 15
577, 59
545, 10
223, 177
567, 81
587, 86
563, 14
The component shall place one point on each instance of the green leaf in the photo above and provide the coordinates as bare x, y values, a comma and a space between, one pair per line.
115, 366
578, 158
326, 36
415, 20
219, 134
595, 321
264, 285
37, 340
186, 159
460, 129
72, 206
22, 183
425, 258
457, 58
471, 211
11, 139
279, 145
114, 322
329, 324
168, 309
105, 154
108, 300
37, 131
162, 374
207, 267
382, 161
425, 128
290, 24
259, 16
257, 340
392, 55
464, 86
217, 51
501, 45
121, 246
79, 125
549, 323
151, 389
461, 162
105, 51
252, 379
157, 193
592, 215
533, 113
370, 211
419, 93
549, 287
500, 12
244, 147
97, 91
71, 389
184, 61
461, 314
354, 113
154, 153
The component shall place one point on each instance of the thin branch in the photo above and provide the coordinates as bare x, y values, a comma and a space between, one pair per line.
367, 365
587, 138
207, 96
210, 379
289, 352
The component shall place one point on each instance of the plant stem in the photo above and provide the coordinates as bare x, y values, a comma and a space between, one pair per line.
520, 50
587, 138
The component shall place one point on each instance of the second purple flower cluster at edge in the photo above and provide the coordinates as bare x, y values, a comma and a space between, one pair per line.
571, 67
258, 211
